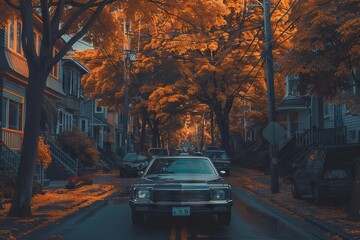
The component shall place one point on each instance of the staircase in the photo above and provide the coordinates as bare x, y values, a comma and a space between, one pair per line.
8, 158
106, 158
63, 165
297, 147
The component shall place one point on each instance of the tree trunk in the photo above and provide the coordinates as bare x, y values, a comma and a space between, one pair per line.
212, 125
20, 206
143, 130
223, 124
354, 211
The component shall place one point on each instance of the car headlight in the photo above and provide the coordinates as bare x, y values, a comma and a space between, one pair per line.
143, 194
218, 194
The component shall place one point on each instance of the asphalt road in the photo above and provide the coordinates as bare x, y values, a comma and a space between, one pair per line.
251, 219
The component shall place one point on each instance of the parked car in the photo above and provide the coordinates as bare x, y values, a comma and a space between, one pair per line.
132, 163
212, 148
152, 152
325, 172
220, 159
180, 186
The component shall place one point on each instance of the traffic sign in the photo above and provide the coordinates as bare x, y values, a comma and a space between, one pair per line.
274, 133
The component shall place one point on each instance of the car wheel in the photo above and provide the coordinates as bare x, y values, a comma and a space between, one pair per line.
317, 196
137, 218
224, 218
294, 190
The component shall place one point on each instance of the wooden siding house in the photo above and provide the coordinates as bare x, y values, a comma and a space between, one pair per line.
13, 81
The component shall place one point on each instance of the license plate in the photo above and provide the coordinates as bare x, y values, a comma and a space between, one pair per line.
181, 211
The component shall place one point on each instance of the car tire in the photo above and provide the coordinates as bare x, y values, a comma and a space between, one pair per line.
294, 190
137, 218
317, 196
224, 218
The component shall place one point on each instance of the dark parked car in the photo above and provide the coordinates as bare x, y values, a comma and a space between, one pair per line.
326, 171
153, 152
181, 186
220, 159
132, 163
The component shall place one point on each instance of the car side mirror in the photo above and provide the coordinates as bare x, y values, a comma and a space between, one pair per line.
222, 173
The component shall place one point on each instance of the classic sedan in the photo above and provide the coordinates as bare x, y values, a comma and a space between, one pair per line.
132, 163
181, 186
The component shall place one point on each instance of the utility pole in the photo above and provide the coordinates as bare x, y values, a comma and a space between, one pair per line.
271, 95
126, 60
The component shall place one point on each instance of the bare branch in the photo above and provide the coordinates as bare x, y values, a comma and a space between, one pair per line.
81, 33
17, 7
55, 22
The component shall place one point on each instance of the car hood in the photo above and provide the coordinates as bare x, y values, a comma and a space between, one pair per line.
219, 160
180, 179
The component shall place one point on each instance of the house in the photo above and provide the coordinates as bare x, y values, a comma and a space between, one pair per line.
312, 121
13, 82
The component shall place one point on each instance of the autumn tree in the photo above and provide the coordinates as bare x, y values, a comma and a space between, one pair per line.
57, 19
325, 51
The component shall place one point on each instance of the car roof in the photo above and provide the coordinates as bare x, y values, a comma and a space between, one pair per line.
339, 146
215, 150
181, 157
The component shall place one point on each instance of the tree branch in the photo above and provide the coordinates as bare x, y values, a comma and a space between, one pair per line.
80, 34
17, 7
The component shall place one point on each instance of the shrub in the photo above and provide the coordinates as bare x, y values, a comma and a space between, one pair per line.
44, 154
79, 147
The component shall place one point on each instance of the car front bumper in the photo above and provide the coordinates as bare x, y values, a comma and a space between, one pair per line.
196, 208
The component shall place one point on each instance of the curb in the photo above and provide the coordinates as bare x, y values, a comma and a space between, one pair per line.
319, 223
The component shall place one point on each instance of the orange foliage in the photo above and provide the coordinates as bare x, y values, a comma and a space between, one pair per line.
44, 154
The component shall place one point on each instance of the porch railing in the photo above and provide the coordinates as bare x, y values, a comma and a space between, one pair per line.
302, 143
9, 158
13, 139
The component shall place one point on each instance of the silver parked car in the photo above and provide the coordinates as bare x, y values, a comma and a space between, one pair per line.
181, 186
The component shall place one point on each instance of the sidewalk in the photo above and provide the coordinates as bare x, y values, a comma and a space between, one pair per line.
57, 203
330, 216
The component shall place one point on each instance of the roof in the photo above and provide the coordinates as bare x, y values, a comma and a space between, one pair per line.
76, 63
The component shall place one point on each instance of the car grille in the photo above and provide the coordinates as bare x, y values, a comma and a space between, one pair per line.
181, 196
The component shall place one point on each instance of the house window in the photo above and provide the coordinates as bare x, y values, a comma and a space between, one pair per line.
55, 69
328, 110
18, 41
65, 121
98, 108
76, 84
37, 42
70, 76
14, 36
84, 125
352, 134
12, 114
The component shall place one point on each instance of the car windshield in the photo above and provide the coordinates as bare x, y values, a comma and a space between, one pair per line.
216, 154
181, 166
133, 157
